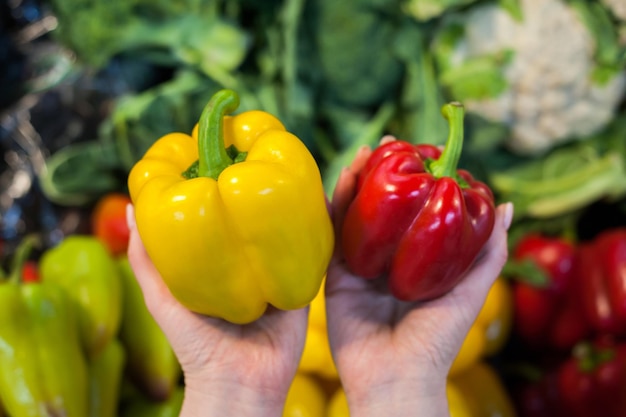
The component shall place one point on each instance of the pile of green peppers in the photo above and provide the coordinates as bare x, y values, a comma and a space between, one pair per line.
78, 341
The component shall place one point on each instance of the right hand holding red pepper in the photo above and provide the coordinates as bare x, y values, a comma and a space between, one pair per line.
391, 352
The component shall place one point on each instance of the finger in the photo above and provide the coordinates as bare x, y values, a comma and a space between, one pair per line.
156, 293
386, 139
360, 159
342, 197
476, 284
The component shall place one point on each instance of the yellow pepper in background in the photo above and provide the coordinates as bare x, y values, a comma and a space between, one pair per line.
305, 398
338, 404
490, 330
478, 392
236, 219
316, 357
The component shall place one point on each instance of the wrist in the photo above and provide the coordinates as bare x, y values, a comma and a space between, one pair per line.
229, 398
400, 398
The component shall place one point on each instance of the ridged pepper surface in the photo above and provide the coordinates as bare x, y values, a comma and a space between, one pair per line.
234, 219
415, 218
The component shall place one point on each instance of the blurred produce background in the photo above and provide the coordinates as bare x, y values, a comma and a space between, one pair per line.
87, 86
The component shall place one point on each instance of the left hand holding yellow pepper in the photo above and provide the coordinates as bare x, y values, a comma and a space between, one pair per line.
236, 220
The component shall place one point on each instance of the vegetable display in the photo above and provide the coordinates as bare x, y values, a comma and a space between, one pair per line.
97, 89
415, 219
42, 366
201, 198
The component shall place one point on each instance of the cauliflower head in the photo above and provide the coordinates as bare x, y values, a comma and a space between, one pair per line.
617, 7
535, 74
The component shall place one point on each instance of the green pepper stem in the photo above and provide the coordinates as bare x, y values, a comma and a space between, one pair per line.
446, 165
20, 257
212, 155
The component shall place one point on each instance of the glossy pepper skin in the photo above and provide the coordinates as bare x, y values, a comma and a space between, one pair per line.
601, 266
548, 316
235, 219
43, 371
151, 363
415, 218
85, 269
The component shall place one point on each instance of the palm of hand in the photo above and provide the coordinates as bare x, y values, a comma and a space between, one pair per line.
270, 346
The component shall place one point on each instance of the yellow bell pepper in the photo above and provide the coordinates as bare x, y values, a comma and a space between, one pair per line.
490, 330
235, 219
478, 392
305, 398
338, 404
316, 356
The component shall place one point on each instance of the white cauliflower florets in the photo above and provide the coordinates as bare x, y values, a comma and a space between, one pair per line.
617, 7
551, 97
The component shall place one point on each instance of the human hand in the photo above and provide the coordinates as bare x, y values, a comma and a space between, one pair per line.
229, 369
392, 356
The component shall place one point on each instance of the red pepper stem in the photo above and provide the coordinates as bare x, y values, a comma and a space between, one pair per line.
447, 163
212, 155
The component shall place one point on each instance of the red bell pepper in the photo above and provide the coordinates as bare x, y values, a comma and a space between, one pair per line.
549, 315
108, 222
415, 218
30, 272
601, 264
593, 381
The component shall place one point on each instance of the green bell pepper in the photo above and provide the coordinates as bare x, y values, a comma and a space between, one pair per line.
83, 266
43, 371
152, 365
106, 372
142, 407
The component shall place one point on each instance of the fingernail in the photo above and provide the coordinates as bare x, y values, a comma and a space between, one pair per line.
130, 216
508, 215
